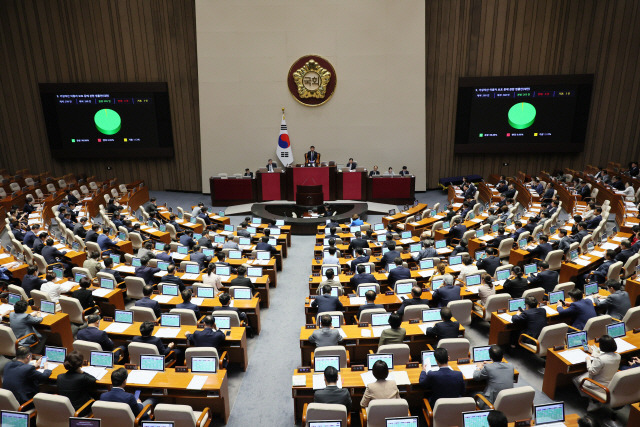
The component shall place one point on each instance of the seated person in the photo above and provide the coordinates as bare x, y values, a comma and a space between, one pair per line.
370, 296
446, 293
92, 333
467, 268
445, 329
210, 336
187, 304
543, 248
497, 374
230, 244
355, 220
242, 280
108, 263
599, 275
617, 302
331, 280
146, 272
398, 273
416, 298
146, 301
84, 295
117, 394
31, 280
427, 251
326, 302
602, 365
75, 384
351, 164
332, 393
361, 277
531, 320
581, 310
264, 245
381, 388
545, 278
171, 277
516, 284
23, 324
443, 382
146, 329
359, 259
21, 377
248, 173
395, 334
326, 335
331, 257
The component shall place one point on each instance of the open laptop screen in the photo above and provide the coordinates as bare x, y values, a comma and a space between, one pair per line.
84, 422
576, 339
426, 264
48, 307
530, 268
362, 290
222, 322
402, 422
549, 413
102, 359
123, 316
14, 419
320, 363
516, 303
373, 358
473, 279
481, 354
151, 362
556, 296
431, 315
475, 419
204, 364
106, 283
616, 330
380, 319
204, 292
55, 354
170, 320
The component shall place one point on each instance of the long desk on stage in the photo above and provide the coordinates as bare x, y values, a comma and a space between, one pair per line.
271, 185
352, 185
392, 189
232, 191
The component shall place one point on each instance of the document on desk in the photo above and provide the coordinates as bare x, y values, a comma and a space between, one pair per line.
59, 246
342, 333
581, 262
486, 238
365, 332
388, 217
94, 371
357, 300
176, 255
550, 310
406, 241
427, 273
190, 276
224, 278
5, 308
474, 289
367, 378
574, 356
377, 330
424, 326
197, 301
197, 382
161, 273
162, 299
505, 316
467, 370
318, 381
609, 245
126, 269
299, 380
400, 377
117, 327
624, 345
141, 377
617, 239
3, 256
167, 332
101, 292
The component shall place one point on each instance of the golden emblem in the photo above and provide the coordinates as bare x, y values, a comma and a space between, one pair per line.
312, 80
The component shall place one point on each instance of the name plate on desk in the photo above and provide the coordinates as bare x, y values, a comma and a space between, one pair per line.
357, 368
200, 326
182, 369
363, 325
107, 319
310, 326
558, 347
411, 365
389, 293
502, 310
312, 297
414, 321
636, 330
130, 366
522, 423
304, 369
464, 361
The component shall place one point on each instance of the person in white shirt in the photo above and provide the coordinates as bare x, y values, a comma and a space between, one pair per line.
467, 268
210, 278
629, 192
331, 258
196, 210
53, 289
602, 365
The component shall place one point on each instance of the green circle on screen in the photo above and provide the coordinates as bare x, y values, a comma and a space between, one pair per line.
107, 121
522, 115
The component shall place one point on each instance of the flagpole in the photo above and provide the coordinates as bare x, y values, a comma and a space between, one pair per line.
283, 113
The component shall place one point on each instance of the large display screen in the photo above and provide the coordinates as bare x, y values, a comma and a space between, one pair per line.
107, 120
522, 114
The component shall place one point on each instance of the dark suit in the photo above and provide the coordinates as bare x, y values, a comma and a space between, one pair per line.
593, 222
200, 258
148, 302
617, 304
326, 302
411, 301
91, 236
38, 245
624, 255
153, 341
29, 238
581, 311
185, 240
495, 242
93, 334
577, 237
374, 173
174, 280
77, 387
85, 297
23, 380
457, 231
547, 279
444, 329
31, 282
541, 250
444, 382
271, 166
600, 273
116, 394
312, 156
531, 320
242, 281
398, 273
106, 243
79, 230
489, 264
358, 243
389, 258
359, 260
150, 208
205, 242
263, 246
333, 394
147, 273
207, 337
509, 193
205, 218
358, 279
190, 306
51, 254
368, 306
163, 256
116, 274
445, 294
516, 287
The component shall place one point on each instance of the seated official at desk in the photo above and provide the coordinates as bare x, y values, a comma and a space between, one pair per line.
427, 251
351, 164
446, 293
146, 251
370, 296
395, 334
242, 280
326, 335
330, 280
21, 378
444, 382
545, 278
330, 257
248, 173
543, 248
146, 329
187, 304
171, 277
146, 300
326, 302
602, 365
361, 277
23, 323
84, 295
617, 302
210, 336
486, 289
332, 393
146, 272
398, 273
312, 157
581, 310
360, 258
531, 321
497, 374
445, 329
416, 294
382, 388
405, 171
75, 384
117, 394
490, 263
92, 333
599, 275
271, 166
225, 301
31, 280
356, 221
516, 284
374, 171
468, 267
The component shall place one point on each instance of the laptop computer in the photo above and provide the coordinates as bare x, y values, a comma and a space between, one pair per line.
403, 288
473, 280
14, 419
79, 276
159, 246
320, 363
378, 227
556, 296
522, 243
402, 422
183, 250
222, 322
13, 298
516, 303
431, 315
204, 364
616, 330
223, 270
235, 255
475, 419
495, 228
405, 235
171, 290
252, 230
240, 293
265, 256
218, 239
59, 272
192, 269
480, 254
135, 262
107, 283
84, 422
455, 260
325, 269
163, 265
502, 275
151, 362
549, 413
573, 255
530, 268
101, 359
208, 252
48, 307
362, 290
590, 289
55, 354
205, 292
170, 320
380, 319
244, 241
115, 258
385, 357
436, 283
254, 272
336, 423
480, 233
481, 353
576, 339
123, 316
426, 264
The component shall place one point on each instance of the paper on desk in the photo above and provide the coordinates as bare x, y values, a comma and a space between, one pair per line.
163, 299
299, 380
609, 245
624, 345
456, 267
190, 276
457, 205
59, 246
574, 356
406, 241
365, 332
3, 256
467, 370
224, 278
550, 310
427, 273
505, 316
100, 292
5, 308
377, 330
424, 326
151, 230
476, 220
400, 377
318, 381
117, 327
197, 382
367, 378
167, 332
161, 273
474, 289
486, 238
617, 239
581, 262
342, 333
126, 269
388, 217
598, 253
141, 377
197, 301
95, 371
357, 300
414, 224
443, 251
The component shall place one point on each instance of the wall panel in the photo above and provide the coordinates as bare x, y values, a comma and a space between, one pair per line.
56, 41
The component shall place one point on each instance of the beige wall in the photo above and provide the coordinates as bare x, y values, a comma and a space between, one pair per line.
245, 49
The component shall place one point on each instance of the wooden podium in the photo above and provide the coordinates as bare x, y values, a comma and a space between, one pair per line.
309, 195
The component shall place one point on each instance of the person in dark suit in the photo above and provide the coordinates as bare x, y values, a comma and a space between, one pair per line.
30, 235
242, 280
171, 277
92, 235
398, 273
625, 253
79, 230
199, 257
361, 277
332, 393
510, 192
357, 242
444, 382
548, 194
633, 169
581, 233
264, 245
38, 243
312, 157
445, 329
446, 293
495, 242
599, 275
490, 263
52, 255
416, 298
374, 171
593, 222
359, 259
146, 272
531, 320
84, 295
106, 244
225, 300
390, 256
165, 255
203, 215
545, 278
146, 301
210, 336
248, 173
271, 166
117, 394
108, 263
326, 302
617, 183
456, 231
146, 329
351, 164
516, 284
404, 171
543, 248
187, 304
31, 280
18, 232
92, 333
21, 378
370, 296
23, 324
151, 207
617, 302
78, 386
187, 239
580, 309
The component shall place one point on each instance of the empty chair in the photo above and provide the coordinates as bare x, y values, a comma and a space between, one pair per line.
379, 410
538, 293
115, 413
365, 315
51, 188
134, 287
630, 266
192, 352
62, 183
597, 326
614, 271
414, 311
54, 410
550, 336
143, 314
515, 403
458, 348
136, 241
554, 258
93, 247
401, 352
494, 303
38, 297
632, 318
8, 402
123, 188
504, 249
187, 317
136, 349
72, 307
334, 350
461, 311
8, 341
447, 411
623, 388
18, 290
324, 412
182, 415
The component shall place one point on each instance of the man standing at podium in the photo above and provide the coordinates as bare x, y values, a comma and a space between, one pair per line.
312, 157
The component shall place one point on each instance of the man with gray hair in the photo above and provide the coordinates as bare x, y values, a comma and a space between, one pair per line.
446, 293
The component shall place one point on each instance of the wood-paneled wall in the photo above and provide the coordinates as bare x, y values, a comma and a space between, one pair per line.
528, 37
56, 41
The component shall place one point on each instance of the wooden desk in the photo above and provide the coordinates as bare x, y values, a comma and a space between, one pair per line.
633, 289
569, 270
403, 215
559, 371
56, 327
214, 393
634, 415
235, 344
